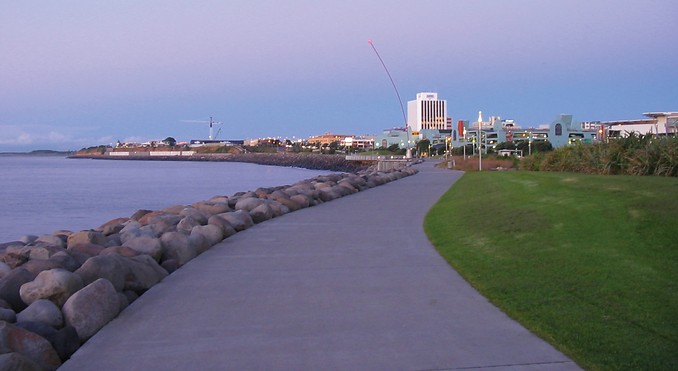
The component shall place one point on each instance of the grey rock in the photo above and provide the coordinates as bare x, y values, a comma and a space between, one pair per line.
89, 309
112, 226
303, 200
195, 214
43, 311
4, 269
261, 213
28, 344
64, 341
51, 240
86, 237
187, 224
84, 251
248, 203
139, 213
199, 243
120, 250
143, 273
176, 246
138, 273
212, 208
56, 285
7, 315
240, 220
146, 245
9, 287
212, 233
28, 238
65, 260
15, 361
111, 267
227, 229
38, 265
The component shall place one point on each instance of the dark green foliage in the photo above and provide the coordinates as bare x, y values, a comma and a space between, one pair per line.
170, 141
633, 155
393, 148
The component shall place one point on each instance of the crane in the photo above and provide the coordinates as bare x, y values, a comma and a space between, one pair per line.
211, 123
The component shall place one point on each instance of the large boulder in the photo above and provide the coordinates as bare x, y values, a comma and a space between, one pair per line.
198, 242
4, 269
36, 266
138, 273
65, 260
146, 245
133, 229
86, 237
15, 361
164, 223
10, 285
212, 208
107, 266
212, 233
226, 228
15, 339
89, 309
43, 311
176, 246
302, 200
56, 285
7, 315
120, 250
113, 226
261, 213
52, 240
197, 215
289, 203
64, 341
248, 203
84, 251
240, 219
187, 224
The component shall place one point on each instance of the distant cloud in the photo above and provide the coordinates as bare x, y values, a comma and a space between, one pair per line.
29, 137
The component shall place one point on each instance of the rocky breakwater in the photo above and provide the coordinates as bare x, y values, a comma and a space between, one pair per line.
58, 290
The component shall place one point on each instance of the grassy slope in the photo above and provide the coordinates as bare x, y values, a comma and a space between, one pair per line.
589, 263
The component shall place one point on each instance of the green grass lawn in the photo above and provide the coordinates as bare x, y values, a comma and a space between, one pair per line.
589, 263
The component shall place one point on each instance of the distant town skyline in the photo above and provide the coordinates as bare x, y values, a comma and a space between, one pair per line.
76, 74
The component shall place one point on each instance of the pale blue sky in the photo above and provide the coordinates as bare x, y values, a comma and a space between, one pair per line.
81, 73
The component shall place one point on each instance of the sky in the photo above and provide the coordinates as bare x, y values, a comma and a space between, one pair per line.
80, 73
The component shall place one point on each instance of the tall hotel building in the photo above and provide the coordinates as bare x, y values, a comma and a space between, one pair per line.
427, 113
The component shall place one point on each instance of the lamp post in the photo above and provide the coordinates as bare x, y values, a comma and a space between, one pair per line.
480, 151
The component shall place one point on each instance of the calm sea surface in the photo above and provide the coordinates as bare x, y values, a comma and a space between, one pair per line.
39, 195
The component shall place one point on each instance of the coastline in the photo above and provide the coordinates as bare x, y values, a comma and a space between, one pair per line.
306, 161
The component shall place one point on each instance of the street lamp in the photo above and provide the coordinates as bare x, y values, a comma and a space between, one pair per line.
480, 152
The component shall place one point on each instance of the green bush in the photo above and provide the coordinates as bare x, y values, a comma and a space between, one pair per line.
632, 155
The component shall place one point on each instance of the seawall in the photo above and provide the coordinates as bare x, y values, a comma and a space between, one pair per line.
58, 290
306, 161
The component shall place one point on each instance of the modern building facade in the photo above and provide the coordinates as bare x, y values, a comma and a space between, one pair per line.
656, 123
427, 112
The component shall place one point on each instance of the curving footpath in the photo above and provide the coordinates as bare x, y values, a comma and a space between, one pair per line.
352, 284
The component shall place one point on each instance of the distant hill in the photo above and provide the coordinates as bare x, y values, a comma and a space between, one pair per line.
39, 152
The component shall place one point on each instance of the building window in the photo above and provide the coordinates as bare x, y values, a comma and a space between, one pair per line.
559, 129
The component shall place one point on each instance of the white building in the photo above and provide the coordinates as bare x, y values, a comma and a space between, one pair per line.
656, 123
427, 113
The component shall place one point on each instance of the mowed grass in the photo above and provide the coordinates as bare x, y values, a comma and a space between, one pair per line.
589, 263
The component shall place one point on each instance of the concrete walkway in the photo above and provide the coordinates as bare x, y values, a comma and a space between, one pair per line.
352, 284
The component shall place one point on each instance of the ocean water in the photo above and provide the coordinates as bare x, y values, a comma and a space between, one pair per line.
42, 194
